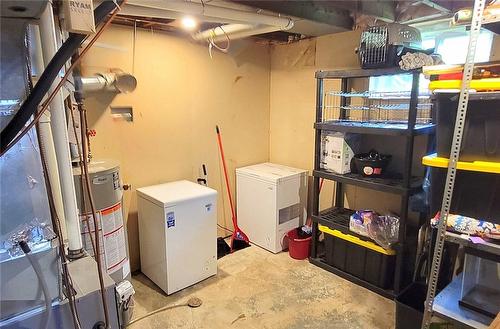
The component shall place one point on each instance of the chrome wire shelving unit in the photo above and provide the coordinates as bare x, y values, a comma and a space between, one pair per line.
378, 113
380, 108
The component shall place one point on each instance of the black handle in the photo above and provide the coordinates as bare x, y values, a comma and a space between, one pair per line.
24, 246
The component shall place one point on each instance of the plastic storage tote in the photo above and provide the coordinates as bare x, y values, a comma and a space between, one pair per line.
481, 283
475, 195
481, 138
410, 306
364, 259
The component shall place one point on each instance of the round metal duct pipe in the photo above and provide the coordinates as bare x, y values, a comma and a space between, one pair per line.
116, 82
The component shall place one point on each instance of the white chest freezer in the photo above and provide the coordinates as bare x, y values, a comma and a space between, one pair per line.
177, 233
271, 200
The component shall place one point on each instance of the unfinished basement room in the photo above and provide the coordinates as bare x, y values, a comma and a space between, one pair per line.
249, 164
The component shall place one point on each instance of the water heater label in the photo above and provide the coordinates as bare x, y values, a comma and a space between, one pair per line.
170, 219
116, 181
111, 237
100, 180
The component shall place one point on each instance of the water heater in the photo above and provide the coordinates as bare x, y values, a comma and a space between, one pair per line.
107, 193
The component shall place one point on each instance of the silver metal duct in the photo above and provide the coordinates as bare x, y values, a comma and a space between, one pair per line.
116, 82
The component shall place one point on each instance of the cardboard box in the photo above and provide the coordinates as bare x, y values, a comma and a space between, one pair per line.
337, 151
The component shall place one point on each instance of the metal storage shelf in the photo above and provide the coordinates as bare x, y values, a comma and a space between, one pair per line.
446, 306
393, 95
373, 128
318, 261
487, 247
389, 185
360, 73
446, 303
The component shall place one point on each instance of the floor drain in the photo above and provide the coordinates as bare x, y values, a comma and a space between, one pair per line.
194, 302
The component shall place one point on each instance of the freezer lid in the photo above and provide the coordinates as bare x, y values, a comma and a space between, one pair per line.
270, 172
173, 193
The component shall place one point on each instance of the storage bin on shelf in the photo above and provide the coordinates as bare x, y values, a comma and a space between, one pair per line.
410, 306
481, 137
363, 259
477, 188
480, 289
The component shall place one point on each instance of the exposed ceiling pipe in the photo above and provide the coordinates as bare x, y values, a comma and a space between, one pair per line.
117, 82
61, 141
255, 22
132, 10
232, 32
222, 31
195, 8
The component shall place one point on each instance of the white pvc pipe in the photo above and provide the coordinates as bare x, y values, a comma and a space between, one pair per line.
222, 31
45, 132
53, 172
219, 35
194, 8
132, 10
61, 141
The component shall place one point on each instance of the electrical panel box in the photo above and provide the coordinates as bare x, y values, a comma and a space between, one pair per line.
79, 16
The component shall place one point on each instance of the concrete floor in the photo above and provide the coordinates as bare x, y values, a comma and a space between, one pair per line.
257, 289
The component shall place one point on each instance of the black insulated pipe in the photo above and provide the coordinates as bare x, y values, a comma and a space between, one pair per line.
30, 105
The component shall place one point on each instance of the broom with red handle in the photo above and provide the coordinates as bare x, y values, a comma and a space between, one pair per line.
239, 240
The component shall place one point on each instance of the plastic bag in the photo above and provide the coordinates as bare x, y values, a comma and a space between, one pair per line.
381, 229
384, 230
358, 221
470, 226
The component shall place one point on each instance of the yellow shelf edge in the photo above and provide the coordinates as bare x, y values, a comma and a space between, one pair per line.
480, 84
478, 166
356, 240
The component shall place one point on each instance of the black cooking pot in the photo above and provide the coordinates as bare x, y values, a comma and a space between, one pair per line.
372, 163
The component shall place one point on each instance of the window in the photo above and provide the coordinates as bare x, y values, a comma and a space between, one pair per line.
451, 44
396, 83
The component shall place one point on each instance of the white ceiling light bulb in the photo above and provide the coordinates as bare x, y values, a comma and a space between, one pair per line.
189, 23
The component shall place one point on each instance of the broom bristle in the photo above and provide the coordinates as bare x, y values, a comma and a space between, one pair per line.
239, 240
239, 244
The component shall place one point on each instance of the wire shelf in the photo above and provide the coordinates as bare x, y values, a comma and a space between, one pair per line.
376, 95
380, 107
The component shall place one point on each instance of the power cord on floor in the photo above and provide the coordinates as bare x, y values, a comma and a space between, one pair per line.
192, 302
224, 228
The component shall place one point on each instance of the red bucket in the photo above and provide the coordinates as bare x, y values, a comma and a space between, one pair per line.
298, 248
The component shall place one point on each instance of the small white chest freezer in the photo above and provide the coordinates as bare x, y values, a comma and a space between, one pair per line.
177, 233
271, 200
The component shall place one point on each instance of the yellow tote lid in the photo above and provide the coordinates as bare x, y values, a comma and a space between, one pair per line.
356, 240
480, 166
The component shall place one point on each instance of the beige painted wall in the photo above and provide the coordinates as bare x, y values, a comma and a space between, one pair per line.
181, 95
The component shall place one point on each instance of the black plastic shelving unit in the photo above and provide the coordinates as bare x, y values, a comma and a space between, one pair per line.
405, 185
